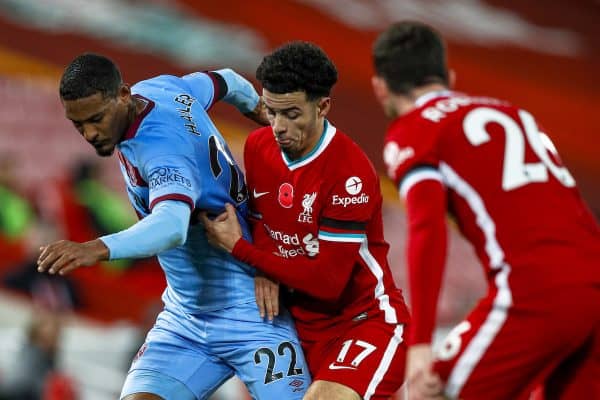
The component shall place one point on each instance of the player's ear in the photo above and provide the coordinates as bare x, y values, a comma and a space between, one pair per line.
380, 88
323, 106
124, 92
451, 78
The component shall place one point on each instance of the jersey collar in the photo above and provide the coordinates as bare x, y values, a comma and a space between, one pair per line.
421, 100
133, 128
328, 133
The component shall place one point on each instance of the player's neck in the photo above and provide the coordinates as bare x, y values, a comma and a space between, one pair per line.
139, 106
423, 90
312, 141
135, 108
405, 103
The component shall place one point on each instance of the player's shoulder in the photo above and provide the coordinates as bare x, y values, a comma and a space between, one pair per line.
260, 137
257, 142
410, 128
162, 91
351, 179
435, 111
342, 143
157, 84
153, 135
349, 156
451, 106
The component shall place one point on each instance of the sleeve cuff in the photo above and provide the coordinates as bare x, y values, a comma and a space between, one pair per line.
109, 243
174, 196
242, 250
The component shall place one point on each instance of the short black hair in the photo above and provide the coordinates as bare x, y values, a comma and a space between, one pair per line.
89, 74
410, 54
298, 66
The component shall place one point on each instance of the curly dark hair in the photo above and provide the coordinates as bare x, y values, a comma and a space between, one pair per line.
89, 74
298, 66
410, 54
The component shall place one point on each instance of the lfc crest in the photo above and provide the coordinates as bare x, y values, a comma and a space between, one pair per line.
307, 203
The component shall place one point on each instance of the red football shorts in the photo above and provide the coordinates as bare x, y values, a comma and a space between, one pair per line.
505, 350
367, 356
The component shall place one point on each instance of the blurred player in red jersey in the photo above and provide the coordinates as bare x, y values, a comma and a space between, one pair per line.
316, 202
489, 165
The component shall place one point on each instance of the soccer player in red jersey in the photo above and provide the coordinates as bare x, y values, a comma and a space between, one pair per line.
488, 164
316, 202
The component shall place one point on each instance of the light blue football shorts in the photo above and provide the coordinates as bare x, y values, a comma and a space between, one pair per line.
187, 357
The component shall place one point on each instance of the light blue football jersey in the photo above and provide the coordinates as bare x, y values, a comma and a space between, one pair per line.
174, 151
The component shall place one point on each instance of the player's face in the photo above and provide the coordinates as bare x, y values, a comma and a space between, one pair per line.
297, 122
102, 121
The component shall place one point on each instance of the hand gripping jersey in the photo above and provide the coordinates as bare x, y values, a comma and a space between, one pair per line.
173, 151
320, 218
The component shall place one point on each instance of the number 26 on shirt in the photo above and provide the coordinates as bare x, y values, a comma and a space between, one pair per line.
516, 172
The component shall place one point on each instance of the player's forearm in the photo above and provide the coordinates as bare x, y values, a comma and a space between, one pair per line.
240, 93
164, 229
426, 256
425, 263
323, 277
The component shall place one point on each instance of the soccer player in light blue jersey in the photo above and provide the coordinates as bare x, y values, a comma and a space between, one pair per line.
175, 162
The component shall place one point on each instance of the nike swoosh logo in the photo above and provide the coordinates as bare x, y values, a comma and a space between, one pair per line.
259, 194
334, 366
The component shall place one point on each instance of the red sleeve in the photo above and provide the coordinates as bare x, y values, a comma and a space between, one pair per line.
323, 277
409, 143
426, 252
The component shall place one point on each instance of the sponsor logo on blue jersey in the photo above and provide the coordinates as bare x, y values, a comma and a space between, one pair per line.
165, 176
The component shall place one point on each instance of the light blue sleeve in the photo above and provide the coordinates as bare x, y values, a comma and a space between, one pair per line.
202, 87
166, 227
172, 176
240, 93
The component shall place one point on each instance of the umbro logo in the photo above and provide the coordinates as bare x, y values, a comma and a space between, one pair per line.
259, 194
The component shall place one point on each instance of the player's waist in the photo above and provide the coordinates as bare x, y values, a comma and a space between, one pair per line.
199, 302
314, 322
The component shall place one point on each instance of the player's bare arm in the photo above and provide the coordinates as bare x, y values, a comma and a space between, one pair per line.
64, 256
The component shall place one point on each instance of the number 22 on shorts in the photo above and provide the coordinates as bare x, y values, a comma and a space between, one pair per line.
270, 374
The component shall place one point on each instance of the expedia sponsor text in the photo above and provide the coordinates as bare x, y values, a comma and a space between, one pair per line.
346, 201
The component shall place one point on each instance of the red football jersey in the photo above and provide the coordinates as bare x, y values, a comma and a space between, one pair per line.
319, 218
506, 188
